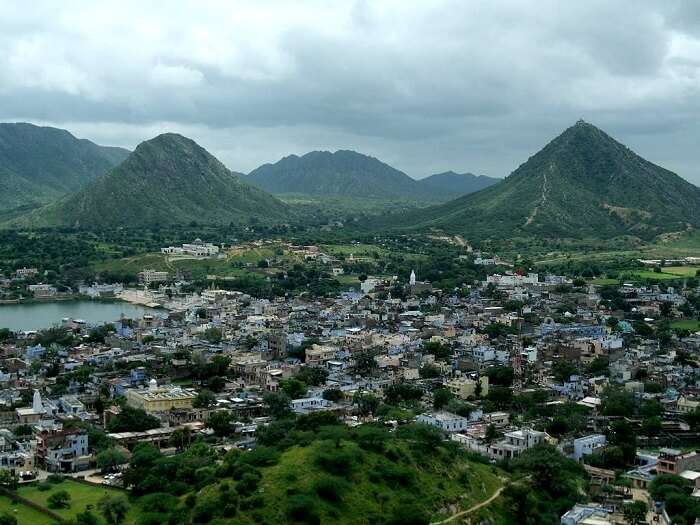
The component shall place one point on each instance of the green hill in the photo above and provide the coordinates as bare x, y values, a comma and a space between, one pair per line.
166, 180
348, 174
39, 164
581, 184
340, 174
449, 184
315, 471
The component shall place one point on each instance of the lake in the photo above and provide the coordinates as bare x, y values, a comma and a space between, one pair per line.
35, 316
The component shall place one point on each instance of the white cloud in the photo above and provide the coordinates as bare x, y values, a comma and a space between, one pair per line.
427, 86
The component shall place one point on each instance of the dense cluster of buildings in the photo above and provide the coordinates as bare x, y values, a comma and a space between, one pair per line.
526, 323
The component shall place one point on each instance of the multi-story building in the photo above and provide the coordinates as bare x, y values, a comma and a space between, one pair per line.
444, 421
160, 399
586, 445
673, 461
148, 276
62, 450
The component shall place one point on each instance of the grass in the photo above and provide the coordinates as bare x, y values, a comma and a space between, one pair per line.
604, 282
24, 514
82, 497
685, 271
686, 324
434, 487
654, 276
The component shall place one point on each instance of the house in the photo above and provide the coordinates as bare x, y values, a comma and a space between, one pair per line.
444, 421
673, 461
62, 450
516, 442
589, 514
160, 399
465, 387
586, 445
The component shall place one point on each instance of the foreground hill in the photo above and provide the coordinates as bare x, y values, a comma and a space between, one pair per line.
166, 180
38, 164
449, 184
582, 184
348, 174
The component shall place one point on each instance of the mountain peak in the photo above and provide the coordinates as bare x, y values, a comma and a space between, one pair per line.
581, 184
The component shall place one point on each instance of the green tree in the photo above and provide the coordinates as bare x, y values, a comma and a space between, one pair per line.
220, 423
109, 459
7, 519
213, 335
181, 438
277, 404
8, 480
635, 512
441, 397
294, 388
132, 420
113, 509
205, 398
86, 518
365, 402
59, 500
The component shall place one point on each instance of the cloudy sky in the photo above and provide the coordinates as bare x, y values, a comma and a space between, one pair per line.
426, 86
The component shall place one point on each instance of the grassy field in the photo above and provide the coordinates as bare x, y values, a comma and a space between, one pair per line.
24, 514
82, 497
685, 271
604, 282
651, 275
686, 324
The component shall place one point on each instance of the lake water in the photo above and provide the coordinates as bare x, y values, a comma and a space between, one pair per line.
34, 316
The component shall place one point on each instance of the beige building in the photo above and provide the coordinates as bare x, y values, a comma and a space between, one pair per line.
160, 399
465, 387
317, 355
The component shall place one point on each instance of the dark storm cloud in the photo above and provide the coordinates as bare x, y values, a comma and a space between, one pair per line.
426, 86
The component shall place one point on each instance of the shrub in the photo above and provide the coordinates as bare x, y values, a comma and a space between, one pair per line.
330, 489
59, 500
44, 486
303, 508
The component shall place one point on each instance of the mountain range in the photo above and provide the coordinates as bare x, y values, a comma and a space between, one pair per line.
166, 180
346, 173
582, 184
40, 164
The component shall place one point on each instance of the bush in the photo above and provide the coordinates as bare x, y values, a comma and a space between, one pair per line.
330, 488
59, 500
303, 508
55, 478
44, 486
336, 461
204, 511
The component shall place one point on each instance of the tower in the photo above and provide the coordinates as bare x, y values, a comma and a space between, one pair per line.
412, 279
37, 405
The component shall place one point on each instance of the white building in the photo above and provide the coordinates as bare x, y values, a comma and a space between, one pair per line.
444, 421
586, 445
197, 248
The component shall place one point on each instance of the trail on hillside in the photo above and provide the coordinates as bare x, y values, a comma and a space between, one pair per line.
471, 509
543, 198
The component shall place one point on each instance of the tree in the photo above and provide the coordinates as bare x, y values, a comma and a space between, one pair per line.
131, 419
109, 459
441, 397
491, 433
181, 438
205, 398
7, 519
501, 375
8, 480
220, 423
277, 404
294, 388
86, 518
617, 402
312, 375
365, 402
113, 509
333, 394
213, 335
623, 435
635, 512
59, 500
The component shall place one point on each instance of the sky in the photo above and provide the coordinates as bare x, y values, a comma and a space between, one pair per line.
426, 86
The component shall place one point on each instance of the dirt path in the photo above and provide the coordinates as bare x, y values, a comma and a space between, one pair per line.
476, 507
543, 199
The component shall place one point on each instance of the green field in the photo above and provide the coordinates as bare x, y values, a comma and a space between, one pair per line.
25, 515
82, 497
604, 282
685, 271
651, 275
686, 324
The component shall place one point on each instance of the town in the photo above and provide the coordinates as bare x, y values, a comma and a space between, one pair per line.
605, 375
